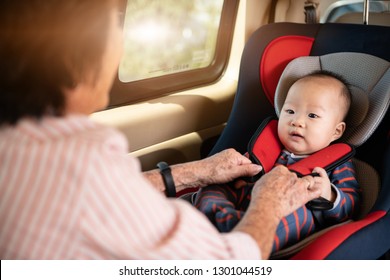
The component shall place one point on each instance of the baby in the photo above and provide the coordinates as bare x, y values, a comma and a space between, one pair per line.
311, 118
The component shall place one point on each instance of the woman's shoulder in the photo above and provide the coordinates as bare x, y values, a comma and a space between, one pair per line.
84, 130
72, 129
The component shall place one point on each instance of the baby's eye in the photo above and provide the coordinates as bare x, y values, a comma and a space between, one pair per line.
289, 111
313, 116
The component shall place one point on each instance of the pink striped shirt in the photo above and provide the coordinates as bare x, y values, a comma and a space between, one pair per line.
69, 190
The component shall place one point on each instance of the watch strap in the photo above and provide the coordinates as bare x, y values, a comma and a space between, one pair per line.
165, 171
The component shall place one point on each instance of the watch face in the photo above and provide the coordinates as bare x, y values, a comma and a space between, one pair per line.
162, 165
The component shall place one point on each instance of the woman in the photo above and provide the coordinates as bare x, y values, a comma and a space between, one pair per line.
68, 189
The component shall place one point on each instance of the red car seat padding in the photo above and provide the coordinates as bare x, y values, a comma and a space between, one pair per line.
273, 63
334, 237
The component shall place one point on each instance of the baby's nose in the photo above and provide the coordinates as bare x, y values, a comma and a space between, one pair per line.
298, 122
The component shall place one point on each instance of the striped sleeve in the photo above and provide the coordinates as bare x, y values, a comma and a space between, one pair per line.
344, 179
124, 217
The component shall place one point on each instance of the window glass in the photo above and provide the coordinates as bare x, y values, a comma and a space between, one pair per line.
348, 9
170, 36
172, 45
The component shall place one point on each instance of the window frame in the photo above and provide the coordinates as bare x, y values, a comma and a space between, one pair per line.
132, 92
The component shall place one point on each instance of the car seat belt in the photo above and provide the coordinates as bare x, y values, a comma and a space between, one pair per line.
311, 12
265, 147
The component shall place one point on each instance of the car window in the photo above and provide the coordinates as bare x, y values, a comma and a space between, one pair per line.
167, 42
348, 10
162, 38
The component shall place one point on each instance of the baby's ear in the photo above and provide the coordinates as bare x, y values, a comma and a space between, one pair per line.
339, 130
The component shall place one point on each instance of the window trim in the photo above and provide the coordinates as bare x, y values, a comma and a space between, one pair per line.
132, 92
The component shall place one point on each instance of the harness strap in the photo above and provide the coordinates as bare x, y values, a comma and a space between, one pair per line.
328, 158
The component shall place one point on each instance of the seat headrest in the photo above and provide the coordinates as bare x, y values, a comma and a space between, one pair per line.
369, 80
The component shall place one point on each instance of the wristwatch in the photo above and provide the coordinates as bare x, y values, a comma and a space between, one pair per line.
165, 171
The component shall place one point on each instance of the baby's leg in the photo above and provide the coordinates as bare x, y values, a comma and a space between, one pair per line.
294, 228
221, 205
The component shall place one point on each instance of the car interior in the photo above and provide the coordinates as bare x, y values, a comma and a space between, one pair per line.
187, 114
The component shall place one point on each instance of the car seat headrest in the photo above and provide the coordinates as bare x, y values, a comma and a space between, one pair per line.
369, 81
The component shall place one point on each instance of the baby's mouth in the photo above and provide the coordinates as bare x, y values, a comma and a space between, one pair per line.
295, 134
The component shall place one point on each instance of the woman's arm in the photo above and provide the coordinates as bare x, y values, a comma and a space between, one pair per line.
220, 168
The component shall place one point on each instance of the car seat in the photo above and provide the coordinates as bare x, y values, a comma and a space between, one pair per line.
265, 57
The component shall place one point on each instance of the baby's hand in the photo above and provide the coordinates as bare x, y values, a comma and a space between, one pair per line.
323, 182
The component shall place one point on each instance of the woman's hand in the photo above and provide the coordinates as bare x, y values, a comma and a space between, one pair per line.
224, 167
275, 195
283, 188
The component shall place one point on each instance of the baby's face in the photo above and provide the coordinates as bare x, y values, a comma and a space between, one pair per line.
311, 117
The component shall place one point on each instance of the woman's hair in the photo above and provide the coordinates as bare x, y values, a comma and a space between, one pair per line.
48, 46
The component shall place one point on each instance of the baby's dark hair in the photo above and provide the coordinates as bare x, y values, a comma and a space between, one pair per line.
345, 89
